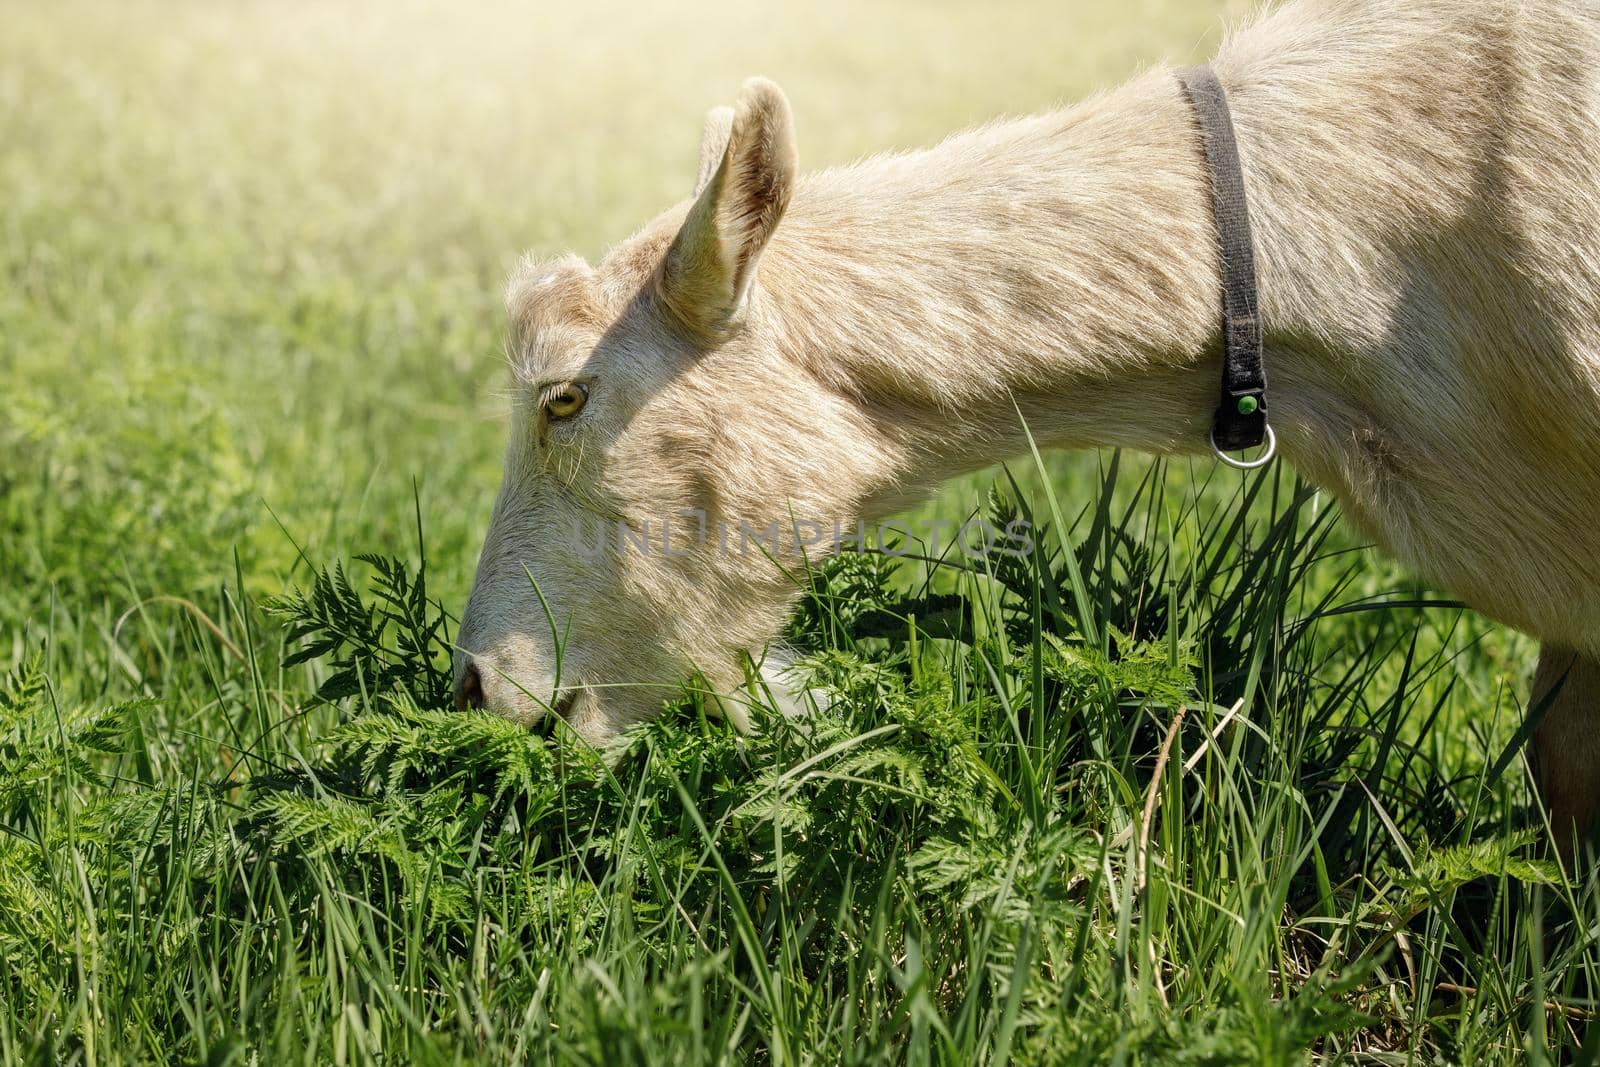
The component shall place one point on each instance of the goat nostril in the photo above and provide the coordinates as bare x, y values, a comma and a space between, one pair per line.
563, 702
470, 695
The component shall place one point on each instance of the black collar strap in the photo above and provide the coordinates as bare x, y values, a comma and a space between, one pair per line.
1241, 418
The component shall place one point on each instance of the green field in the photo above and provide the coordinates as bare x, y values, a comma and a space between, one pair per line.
1206, 781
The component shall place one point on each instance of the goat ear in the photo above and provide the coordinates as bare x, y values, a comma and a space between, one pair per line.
711, 263
713, 145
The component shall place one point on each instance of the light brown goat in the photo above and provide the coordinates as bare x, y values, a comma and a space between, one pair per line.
1424, 179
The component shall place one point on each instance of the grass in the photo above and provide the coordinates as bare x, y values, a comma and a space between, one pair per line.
1202, 781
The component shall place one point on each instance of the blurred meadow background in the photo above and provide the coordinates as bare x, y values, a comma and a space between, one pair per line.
1205, 781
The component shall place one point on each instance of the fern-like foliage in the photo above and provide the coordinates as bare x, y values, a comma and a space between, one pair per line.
395, 643
41, 743
930, 770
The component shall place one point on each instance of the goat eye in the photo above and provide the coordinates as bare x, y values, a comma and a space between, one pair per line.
565, 400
